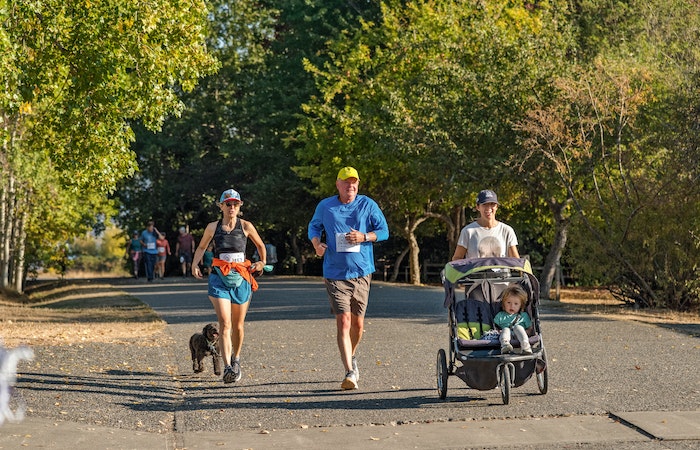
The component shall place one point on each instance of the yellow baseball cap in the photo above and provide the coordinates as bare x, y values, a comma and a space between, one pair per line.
348, 172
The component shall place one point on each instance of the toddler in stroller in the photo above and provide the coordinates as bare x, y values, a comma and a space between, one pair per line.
513, 318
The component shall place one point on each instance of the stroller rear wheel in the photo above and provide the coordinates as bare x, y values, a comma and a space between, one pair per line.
541, 375
441, 374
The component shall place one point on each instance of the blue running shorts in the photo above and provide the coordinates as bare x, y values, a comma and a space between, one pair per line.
238, 295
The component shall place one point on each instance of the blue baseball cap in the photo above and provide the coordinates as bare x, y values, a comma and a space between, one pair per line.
229, 195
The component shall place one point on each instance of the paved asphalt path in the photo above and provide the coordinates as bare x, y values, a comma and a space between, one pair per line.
292, 372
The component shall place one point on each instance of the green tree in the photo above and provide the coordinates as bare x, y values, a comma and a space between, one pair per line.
234, 129
74, 76
618, 133
423, 103
104, 253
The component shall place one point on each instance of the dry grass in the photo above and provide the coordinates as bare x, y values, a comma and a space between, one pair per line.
601, 302
66, 313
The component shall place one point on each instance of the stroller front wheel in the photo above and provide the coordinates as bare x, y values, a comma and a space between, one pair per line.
505, 382
441, 374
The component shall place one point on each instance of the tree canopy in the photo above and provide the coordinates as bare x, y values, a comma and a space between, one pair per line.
423, 103
619, 134
233, 132
583, 115
74, 76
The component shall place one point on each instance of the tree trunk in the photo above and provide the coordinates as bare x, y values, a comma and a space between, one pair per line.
455, 223
4, 176
561, 229
19, 251
561, 224
15, 241
296, 251
397, 264
4, 245
414, 250
414, 263
7, 231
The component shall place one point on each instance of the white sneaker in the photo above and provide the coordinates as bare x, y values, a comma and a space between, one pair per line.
350, 381
355, 369
506, 348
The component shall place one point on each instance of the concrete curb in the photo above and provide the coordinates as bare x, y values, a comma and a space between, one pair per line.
645, 426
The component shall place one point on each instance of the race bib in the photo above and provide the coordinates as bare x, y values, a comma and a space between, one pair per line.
161, 249
237, 257
343, 246
151, 246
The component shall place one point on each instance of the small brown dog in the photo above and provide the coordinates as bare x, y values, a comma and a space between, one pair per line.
205, 344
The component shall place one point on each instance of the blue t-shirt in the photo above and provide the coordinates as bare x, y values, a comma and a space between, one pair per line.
335, 219
149, 239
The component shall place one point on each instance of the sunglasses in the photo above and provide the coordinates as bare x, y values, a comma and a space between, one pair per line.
232, 203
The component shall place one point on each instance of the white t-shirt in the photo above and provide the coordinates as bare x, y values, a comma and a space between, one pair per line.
491, 240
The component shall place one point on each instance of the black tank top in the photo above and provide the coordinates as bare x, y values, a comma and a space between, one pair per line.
233, 241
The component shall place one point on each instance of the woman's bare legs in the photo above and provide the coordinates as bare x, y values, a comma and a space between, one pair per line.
231, 329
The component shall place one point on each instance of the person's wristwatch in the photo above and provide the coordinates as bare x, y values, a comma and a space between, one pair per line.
366, 237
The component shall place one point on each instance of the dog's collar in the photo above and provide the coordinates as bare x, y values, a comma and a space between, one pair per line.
212, 347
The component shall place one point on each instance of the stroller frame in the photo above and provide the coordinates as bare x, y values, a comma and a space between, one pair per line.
478, 362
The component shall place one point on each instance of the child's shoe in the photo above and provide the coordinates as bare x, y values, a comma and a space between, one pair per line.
506, 348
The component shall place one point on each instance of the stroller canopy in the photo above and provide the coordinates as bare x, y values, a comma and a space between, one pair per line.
485, 268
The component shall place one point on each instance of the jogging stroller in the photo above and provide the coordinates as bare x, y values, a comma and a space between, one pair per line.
473, 290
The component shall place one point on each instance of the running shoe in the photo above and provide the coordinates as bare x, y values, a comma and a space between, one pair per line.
237, 374
355, 369
229, 376
350, 381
